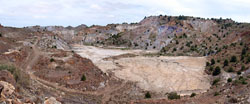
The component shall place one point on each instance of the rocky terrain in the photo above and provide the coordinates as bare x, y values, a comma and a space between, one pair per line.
161, 59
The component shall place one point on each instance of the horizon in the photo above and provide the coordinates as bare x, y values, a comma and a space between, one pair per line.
14, 13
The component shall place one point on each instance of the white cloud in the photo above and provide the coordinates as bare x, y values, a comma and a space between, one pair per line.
75, 12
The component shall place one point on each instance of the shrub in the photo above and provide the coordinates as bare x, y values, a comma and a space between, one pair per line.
233, 59
226, 62
174, 49
83, 78
216, 71
177, 42
52, 60
207, 64
215, 81
193, 94
173, 95
212, 61
230, 69
229, 80
243, 67
147, 95
248, 59
216, 93
54, 47
243, 51
239, 72
0, 35
233, 100
20, 77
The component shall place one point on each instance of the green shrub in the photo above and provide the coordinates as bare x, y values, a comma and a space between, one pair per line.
20, 77
212, 61
233, 59
147, 95
207, 64
52, 60
216, 93
229, 80
217, 71
11, 69
226, 62
243, 67
239, 72
215, 81
83, 78
230, 69
193, 94
173, 95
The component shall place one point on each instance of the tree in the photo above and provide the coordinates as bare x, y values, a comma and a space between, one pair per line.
83, 78
226, 62
147, 95
212, 61
216, 71
233, 59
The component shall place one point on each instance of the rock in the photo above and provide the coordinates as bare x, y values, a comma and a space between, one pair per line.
52, 100
8, 88
248, 100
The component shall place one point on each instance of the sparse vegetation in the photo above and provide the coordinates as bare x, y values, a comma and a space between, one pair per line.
217, 71
215, 81
83, 78
147, 95
173, 95
193, 94
229, 80
233, 59
216, 93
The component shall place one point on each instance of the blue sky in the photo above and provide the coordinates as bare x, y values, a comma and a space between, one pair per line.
21, 13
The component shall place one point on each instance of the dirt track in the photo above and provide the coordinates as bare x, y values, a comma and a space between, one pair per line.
158, 74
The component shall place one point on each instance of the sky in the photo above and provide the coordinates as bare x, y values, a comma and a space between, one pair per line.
20, 13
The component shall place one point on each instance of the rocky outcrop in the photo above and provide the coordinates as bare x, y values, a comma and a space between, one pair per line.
52, 100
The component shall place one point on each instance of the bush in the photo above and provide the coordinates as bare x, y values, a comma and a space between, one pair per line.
216, 71
193, 94
215, 81
233, 59
248, 59
0, 35
83, 78
207, 64
52, 60
212, 61
243, 67
173, 95
216, 93
11, 69
147, 95
20, 77
239, 72
226, 62
229, 80
230, 69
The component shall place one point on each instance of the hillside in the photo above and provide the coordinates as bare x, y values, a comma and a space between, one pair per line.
152, 61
